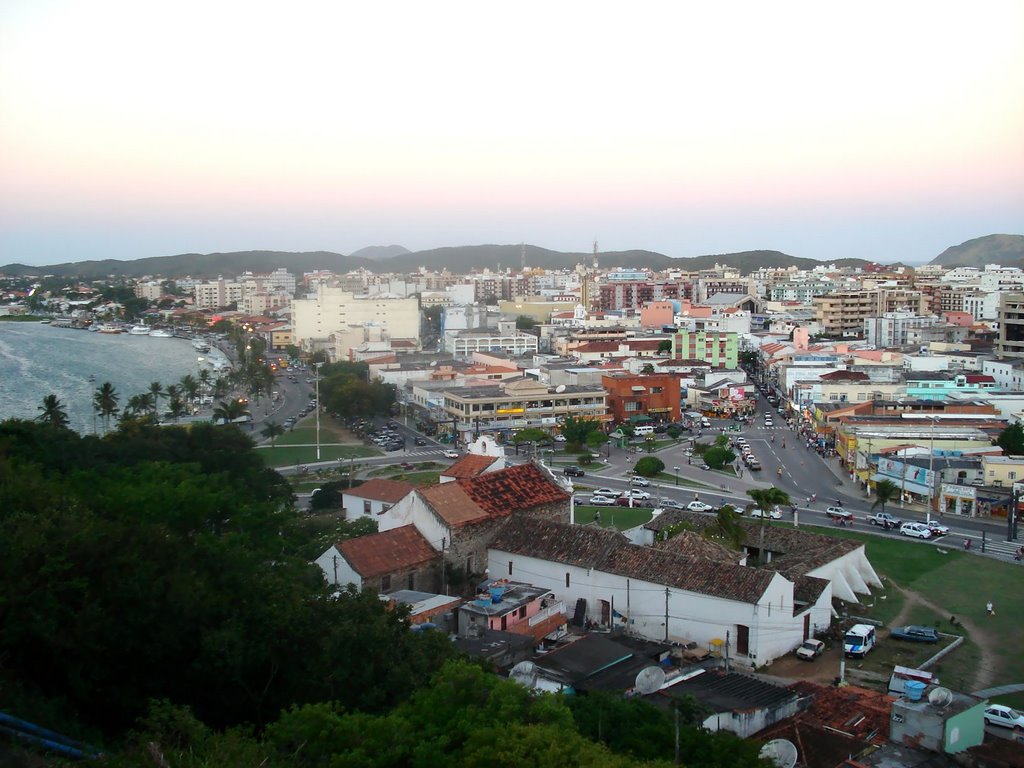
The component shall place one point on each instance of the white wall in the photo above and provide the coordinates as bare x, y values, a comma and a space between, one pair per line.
414, 510
774, 630
336, 569
354, 506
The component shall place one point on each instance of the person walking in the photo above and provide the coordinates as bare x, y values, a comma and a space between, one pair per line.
990, 609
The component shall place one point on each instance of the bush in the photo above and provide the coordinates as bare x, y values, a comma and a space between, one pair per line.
717, 457
585, 459
649, 466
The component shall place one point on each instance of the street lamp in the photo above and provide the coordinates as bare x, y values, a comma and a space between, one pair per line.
676, 471
317, 409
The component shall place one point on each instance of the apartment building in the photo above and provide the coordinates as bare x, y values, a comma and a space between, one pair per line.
333, 309
1011, 325
521, 403
720, 349
893, 328
643, 397
842, 314
623, 294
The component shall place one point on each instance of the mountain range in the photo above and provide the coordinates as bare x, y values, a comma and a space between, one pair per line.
1007, 250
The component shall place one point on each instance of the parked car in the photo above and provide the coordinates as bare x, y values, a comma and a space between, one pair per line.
407, 465
771, 514
643, 482
573, 472
636, 494
671, 504
810, 649
914, 633
937, 528
601, 501
450, 454
611, 494
839, 512
420, 441
559, 438
1000, 714
699, 506
917, 530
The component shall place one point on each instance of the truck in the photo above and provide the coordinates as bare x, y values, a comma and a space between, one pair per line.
858, 640
885, 520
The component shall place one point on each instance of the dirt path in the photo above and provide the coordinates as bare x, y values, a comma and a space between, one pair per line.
986, 643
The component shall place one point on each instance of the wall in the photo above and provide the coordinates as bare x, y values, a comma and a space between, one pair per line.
354, 507
337, 570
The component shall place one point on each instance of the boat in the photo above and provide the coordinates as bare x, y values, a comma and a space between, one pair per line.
162, 333
108, 328
200, 345
139, 330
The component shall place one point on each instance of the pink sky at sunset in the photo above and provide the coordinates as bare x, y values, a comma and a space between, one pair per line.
878, 130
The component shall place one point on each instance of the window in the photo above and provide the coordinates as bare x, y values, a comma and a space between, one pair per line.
1012, 475
469, 564
366, 506
412, 581
567, 579
522, 612
385, 583
509, 567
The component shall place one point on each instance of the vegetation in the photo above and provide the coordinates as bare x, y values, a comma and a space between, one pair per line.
766, 499
345, 392
1011, 440
53, 412
649, 466
885, 491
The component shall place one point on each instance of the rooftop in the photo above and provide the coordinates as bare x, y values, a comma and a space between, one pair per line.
731, 691
381, 489
387, 552
469, 465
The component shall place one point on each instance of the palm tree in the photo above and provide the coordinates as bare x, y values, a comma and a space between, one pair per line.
104, 402
221, 386
190, 386
53, 412
727, 528
229, 410
156, 389
204, 378
272, 431
885, 491
767, 499
175, 403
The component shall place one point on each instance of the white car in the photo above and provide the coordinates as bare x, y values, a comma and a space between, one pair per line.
918, 530
559, 438
450, 454
999, 714
636, 495
771, 514
937, 528
601, 501
699, 506
606, 492
810, 649
839, 512
643, 482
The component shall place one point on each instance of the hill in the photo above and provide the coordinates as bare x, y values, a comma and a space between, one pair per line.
458, 259
375, 252
1005, 250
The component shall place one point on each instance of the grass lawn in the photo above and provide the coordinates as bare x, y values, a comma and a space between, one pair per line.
960, 584
621, 518
290, 455
305, 432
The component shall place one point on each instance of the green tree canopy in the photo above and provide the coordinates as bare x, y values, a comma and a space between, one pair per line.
1011, 440
53, 412
649, 466
885, 491
717, 457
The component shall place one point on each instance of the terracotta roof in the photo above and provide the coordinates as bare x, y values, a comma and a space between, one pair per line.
380, 553
469, 465
692, 544
450, 502
390, 358
610, 552
523, 486
380, 489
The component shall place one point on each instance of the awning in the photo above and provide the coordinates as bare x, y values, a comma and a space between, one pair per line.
639, 418
904, 485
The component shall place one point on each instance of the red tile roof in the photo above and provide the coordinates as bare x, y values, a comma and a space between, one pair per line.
469, 465
380, 489
380, 553
523, 486
450, 502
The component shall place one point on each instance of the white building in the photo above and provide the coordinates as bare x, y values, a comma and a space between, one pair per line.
374, 497
333, 309
660, 594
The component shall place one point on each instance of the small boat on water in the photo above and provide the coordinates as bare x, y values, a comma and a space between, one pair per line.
109, 328
162, 333
139, 330
200, 345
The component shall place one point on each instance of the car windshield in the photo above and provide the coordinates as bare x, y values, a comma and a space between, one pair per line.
1013, 714
809, 645
853, 639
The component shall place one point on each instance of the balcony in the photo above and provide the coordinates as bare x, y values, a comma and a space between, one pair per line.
553, 609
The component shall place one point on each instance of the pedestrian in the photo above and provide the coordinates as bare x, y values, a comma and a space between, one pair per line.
991, 609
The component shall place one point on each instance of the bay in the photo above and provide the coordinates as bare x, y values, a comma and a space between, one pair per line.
37, 360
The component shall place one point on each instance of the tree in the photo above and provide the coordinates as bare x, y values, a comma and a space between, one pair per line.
104, 403
525, 323
647, 369
227, 411
156, 389
717, 457
665, 345
190, 387
53, 412
766, 500
885, 491
1011, 440
272, 430
576, 430
674, 431
649, 466
727, 528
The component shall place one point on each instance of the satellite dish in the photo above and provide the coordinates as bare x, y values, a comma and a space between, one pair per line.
560, 388
940, 697
524, 673
649, 680
781, 752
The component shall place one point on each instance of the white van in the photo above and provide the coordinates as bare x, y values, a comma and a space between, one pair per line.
643, 431
704, 422
858, 640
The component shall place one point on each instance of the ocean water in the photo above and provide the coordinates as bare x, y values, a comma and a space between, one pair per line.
37, 360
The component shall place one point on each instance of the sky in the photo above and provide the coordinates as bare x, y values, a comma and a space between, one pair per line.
877, 130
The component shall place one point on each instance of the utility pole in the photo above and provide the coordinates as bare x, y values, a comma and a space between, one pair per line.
1011, 516
318, 411
727, 651
444, 570
666, 613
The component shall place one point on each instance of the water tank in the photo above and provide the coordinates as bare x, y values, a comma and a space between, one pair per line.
913, 689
